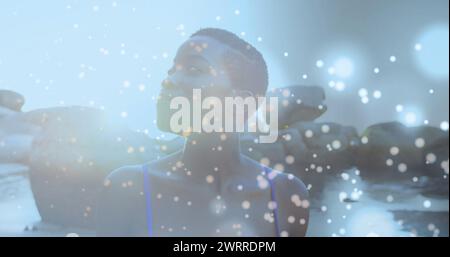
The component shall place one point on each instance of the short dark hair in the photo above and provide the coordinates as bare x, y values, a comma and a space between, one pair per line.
249, 73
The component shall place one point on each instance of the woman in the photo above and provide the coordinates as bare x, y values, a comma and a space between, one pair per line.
208, 188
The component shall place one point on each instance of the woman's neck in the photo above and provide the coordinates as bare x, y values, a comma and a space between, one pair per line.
211, 150
211, 157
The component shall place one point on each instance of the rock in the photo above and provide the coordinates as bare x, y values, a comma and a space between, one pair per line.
15, 148
70, 158
394, 151
324, 144
298, 103
308, 150
5, 112
418, 221
16, 138
11, 100
322, 150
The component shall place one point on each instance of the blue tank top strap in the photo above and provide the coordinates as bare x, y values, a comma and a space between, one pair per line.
148, 201
273, 199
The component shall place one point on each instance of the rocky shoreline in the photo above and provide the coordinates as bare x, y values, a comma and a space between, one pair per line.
66, 152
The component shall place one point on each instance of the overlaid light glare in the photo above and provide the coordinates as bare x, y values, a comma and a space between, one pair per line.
343, 67
270, 118
432, 52
372, 222
410, 118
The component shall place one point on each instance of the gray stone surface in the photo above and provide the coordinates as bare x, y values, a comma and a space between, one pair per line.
391, 147
11, 100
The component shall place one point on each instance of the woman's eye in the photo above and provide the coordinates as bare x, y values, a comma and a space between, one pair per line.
193, 69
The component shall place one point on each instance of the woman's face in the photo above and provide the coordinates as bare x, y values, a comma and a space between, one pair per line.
199, 64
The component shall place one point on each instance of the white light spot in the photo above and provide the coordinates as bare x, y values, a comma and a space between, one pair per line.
336, 144
309, 133
444, 125
363, 92
364, 140
402, 167
433, 57
342, 196
377, 94
291, 219
325, 128
272, 205
290, 159
245, 205
340, 86
418, 47
345, 176
394, 150
420, 142
209, 179
389, 162
430, 158
319, 64
343, 67
262, 182
410, 118
365, 100
331, 70
389, 198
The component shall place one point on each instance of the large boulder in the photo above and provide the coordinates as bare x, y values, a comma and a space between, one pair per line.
298, 103
11, 100
309, 150
394, 151
75, 151
16, 137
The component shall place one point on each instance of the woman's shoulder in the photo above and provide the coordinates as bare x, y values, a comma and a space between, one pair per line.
124, 173
290, 183
283, 181
292, 198
134, 173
